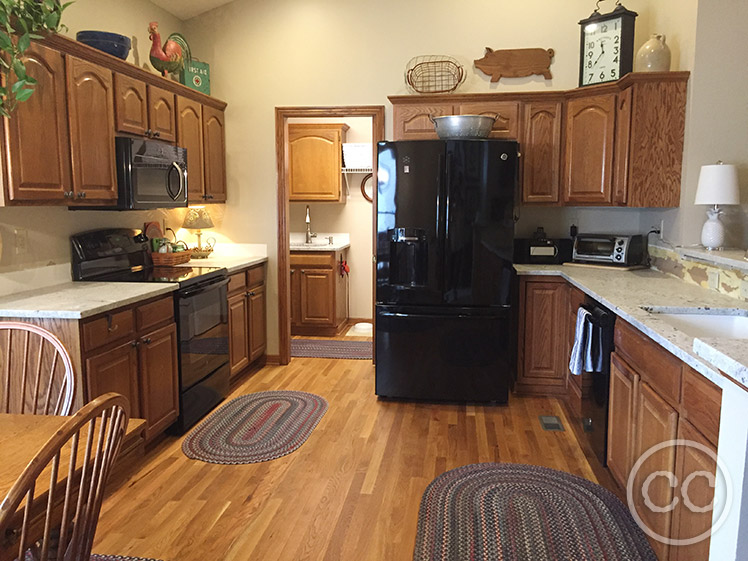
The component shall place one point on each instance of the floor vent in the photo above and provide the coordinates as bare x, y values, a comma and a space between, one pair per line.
551, 422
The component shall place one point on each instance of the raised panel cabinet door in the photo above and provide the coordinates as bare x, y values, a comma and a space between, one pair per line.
541, 152
590, 129
91, 113
162, 116
159, 384
37, 146
411, 122
257, 322
507, 124
624, 383
130, 104
238, 336
214, 155
190, 136
315, 161
295, 297
115, 370
656, 423
317, 297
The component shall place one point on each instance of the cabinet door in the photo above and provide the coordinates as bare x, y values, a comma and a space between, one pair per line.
295, 297
214, 155
507, 124
190, 136
131, 105
590, 128
38, 146
411, 122
91, 113
688, 523
162, 114
159, 384
257, 321
541, 152
317, 297
238, 336
315, 161
624, 383
115, 371
623, 142
543, 337
656, 422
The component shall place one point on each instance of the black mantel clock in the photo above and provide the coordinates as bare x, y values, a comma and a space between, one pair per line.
607, 46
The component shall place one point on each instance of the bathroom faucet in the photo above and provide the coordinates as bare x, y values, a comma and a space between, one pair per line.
309, 233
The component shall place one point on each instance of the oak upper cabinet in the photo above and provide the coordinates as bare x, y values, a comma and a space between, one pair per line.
162, 114
589, 149
542, 360
541, 152
37, 146
214, 155
411, 121
190, 136
247, 318
131, 105
508, 116
90, 92
315, 156
318, 293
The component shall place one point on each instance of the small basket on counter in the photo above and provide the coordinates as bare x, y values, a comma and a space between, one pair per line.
171, 259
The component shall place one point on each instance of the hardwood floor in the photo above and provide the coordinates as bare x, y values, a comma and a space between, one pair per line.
351, 492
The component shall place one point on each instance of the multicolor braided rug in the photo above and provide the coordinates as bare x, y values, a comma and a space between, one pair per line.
255, 428
324, 348
96, 557
514, 512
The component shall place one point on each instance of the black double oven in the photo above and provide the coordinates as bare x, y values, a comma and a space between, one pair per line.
200, 307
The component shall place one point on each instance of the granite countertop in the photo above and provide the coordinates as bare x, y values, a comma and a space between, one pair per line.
319, 243
77, 300
625, 292
319, 246
232, 263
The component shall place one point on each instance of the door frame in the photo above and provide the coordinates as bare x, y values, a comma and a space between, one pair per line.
282, 115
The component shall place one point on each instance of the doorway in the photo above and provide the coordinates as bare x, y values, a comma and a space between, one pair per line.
282, 117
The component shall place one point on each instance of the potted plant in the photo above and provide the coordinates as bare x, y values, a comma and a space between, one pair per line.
20, 22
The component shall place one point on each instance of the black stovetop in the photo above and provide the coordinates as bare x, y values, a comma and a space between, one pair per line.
185, 276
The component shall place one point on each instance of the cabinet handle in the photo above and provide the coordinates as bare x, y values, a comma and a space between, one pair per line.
157, 134
250, 293
109, 327
148, 132
147, 340
303, 272
135, 343
293, 271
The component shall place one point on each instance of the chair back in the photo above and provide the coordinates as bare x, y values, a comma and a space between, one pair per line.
52, 510
36, 373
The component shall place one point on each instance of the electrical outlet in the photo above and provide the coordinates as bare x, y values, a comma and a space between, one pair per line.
713, 280
21, 241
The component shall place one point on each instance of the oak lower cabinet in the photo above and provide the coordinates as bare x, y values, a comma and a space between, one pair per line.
315, 161
247, 304
624, 385
542, 359
319, 293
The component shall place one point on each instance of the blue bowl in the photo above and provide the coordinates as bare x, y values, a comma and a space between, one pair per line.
110, 43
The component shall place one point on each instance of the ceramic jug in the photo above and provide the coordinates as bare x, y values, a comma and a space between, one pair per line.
653, 56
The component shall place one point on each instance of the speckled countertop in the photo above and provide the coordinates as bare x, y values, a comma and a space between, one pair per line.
625, 292
231, 263
77, 300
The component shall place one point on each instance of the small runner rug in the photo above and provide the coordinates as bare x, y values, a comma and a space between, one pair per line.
96, 557
255, 428
515, 512
322, 348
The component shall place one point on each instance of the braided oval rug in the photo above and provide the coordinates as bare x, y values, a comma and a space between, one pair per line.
516, 512
256, 427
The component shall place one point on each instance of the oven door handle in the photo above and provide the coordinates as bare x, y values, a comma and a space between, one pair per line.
202, 288
182, 179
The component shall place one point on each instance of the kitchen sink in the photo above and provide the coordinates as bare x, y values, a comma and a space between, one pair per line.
728, 323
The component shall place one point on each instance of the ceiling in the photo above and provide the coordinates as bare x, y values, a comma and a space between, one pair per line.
186, 9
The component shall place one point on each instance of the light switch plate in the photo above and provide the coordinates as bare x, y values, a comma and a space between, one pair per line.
713, 280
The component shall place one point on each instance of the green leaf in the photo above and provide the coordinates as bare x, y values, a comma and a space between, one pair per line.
23, 95
24, 42
30, 81
20, 69
52, 19
17, 86
49, 4
5, 43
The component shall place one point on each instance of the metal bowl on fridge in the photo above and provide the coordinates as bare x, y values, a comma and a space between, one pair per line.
463, 126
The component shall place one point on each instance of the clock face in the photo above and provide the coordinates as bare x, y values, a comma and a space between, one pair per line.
601, 57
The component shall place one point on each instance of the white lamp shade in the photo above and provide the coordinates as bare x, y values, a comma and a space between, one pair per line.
718, 185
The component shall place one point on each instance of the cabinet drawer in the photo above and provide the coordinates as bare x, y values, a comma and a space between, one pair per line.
237, 283
154, 313
107, 329
312, 260
702, 401
256, 276
655, 365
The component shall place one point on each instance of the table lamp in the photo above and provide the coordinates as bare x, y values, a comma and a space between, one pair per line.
196, 219
718, 185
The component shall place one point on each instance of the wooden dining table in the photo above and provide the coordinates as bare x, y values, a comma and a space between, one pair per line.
22, 436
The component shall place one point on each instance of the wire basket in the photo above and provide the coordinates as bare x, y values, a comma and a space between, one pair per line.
170, 259
432, 74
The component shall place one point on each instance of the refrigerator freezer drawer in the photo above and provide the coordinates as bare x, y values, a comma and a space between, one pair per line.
444, 357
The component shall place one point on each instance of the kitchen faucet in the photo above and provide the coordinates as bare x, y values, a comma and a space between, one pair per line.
309, 233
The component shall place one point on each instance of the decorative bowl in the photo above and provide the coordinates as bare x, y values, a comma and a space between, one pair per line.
463, 126
111, 43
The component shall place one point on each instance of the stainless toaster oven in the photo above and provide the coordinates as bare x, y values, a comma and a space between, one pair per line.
611, 249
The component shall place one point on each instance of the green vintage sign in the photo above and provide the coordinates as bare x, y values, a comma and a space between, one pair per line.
196, 75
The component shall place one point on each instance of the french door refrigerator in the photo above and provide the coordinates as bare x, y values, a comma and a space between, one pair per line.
445, 318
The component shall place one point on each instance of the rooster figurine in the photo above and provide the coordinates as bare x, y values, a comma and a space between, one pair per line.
174, 53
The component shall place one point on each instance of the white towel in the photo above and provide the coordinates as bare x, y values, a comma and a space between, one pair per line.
582, 339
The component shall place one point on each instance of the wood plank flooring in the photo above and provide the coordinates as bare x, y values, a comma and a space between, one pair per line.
351, 492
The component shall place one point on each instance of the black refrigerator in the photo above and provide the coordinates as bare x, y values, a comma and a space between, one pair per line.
445, 312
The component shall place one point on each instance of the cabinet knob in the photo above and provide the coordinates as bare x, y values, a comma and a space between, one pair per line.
135, 343
148, 132
157, 134
250, 293
293, 271
83, 195
147, 340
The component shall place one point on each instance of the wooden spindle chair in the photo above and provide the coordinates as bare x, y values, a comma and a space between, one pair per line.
52, 510
36, 373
